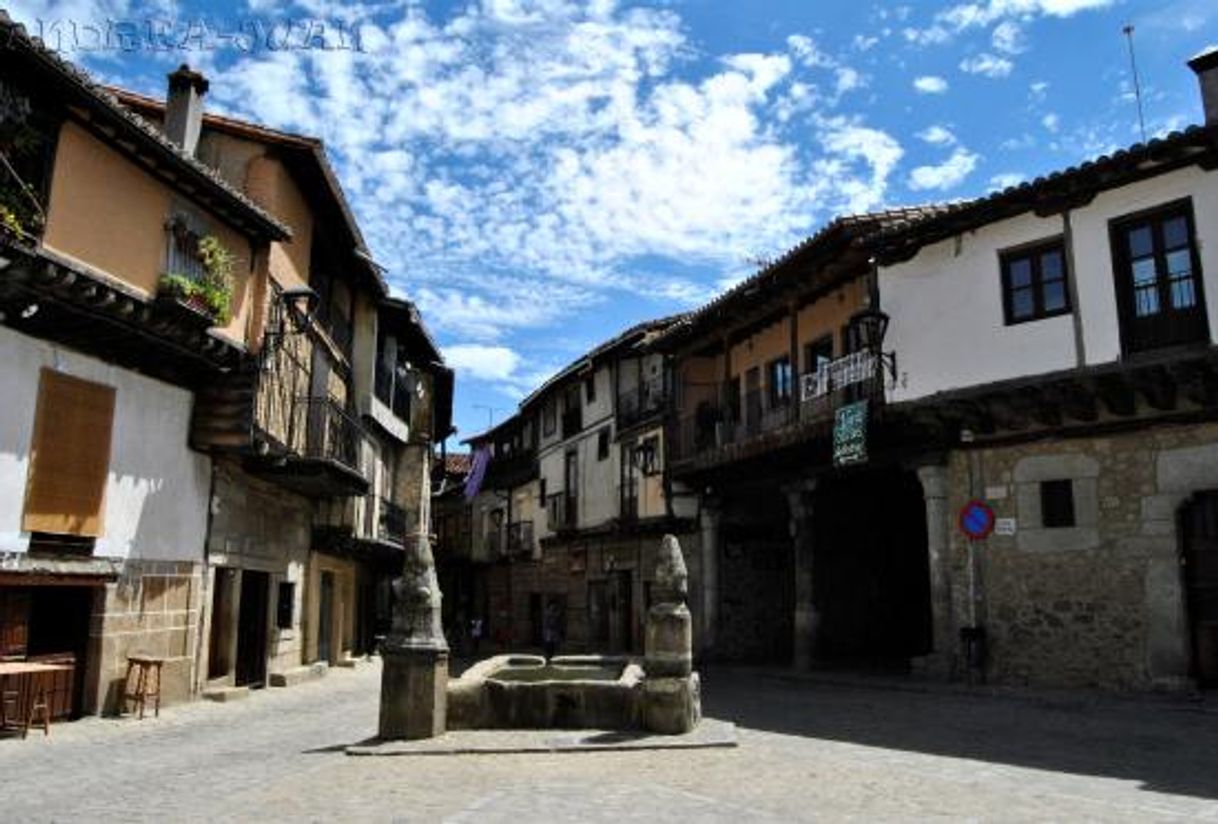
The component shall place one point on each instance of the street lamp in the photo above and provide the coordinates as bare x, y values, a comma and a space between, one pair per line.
871, 325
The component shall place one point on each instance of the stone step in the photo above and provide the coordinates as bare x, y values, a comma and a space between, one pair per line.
225, 694
298, 675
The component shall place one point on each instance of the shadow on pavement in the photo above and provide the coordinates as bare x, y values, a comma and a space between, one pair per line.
1164, 746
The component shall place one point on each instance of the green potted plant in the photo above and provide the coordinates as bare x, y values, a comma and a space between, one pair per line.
209, 296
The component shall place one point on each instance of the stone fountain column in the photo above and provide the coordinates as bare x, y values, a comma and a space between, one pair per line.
672, 701
414, 681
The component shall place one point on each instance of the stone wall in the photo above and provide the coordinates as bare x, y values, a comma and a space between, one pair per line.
153, 609
567, 569
258, 526
1100, 603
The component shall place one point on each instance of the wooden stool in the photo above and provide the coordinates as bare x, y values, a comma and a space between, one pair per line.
144, 666
38, 703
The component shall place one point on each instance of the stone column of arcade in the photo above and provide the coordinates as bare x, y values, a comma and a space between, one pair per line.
414, 681
938, 530
806, 619
711, 519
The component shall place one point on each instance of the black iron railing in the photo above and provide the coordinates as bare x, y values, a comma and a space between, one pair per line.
721, 420
330, 433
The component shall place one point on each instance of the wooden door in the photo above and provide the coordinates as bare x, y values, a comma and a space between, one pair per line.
325, 617
252, 628
1201, 582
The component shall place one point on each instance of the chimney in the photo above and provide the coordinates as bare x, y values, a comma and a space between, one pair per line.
184, 108
1206, 67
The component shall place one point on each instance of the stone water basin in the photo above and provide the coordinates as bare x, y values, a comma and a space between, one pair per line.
569, 692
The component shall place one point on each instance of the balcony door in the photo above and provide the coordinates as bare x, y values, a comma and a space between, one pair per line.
571, 488
1158, 279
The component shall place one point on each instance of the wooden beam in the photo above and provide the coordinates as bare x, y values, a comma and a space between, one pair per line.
1117, 394
1157, 386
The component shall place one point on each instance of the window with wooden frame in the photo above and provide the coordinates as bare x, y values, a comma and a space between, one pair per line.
549, 417
69, 456
780, 379
1034, 282
602, 443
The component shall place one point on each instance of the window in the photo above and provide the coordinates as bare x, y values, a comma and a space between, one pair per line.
590, 388
1159, 284
1057, 504
184, 231
602, 444
549, 417
69, 456
648, 453
285, 605
780, 381
818, 354
1034, 282
541, 490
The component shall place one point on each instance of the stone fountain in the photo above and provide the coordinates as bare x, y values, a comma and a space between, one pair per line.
660, 694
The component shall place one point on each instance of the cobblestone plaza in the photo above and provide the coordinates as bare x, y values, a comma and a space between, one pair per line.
808, 750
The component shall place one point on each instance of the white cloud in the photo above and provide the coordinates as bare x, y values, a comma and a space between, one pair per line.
930, 84
489, 363
964, 16
1006, 180
987, 64
946, 175
1008, 38
1051, 122
937, 136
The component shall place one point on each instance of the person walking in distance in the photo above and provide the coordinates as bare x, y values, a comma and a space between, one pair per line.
475, 633
551, 629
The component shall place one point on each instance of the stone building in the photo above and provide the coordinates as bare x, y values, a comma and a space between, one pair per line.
1042, 359
322, 443
103, 505
1070, 382
574, 501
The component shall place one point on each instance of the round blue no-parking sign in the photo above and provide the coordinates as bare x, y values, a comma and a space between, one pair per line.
976, 519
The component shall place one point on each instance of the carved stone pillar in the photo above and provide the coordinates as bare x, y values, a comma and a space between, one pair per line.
414, 680
806, 618
938, 534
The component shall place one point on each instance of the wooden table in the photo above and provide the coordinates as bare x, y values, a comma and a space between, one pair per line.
34, 689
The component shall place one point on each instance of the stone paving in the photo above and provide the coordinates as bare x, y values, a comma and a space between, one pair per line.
808, 751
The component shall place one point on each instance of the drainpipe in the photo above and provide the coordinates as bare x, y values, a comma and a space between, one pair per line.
1080, 347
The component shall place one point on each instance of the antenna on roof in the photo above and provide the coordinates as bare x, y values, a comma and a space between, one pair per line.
490, 413
1137, 83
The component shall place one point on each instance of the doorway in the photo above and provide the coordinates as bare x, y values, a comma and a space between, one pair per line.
871, 575
219, 662
251, 628
1200, 531
325, 617
621, 611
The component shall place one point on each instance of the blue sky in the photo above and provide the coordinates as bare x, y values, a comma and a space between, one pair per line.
540, 174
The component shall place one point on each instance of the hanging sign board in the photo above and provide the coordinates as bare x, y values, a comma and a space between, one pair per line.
850, 434
977, 520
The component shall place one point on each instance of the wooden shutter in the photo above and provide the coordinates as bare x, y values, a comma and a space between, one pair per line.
69, 456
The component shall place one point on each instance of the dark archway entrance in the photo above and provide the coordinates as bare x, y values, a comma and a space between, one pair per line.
870, 570
1200, 531
757, 587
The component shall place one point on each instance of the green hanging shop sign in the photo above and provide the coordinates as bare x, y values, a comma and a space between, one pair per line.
850, 434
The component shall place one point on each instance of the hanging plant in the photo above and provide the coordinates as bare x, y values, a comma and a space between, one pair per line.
212, 293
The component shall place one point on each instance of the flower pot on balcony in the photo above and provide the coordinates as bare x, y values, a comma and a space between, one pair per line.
190, 311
